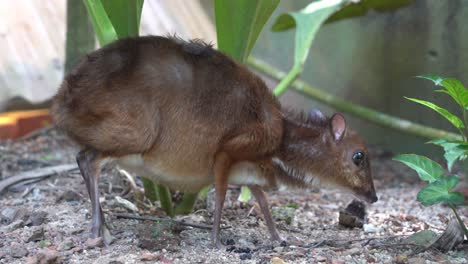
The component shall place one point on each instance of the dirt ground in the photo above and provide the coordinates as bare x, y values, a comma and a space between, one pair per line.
47, 221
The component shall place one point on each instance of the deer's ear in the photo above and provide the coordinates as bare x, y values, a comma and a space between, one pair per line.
338, 126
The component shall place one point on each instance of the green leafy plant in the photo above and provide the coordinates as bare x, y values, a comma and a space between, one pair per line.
440, 186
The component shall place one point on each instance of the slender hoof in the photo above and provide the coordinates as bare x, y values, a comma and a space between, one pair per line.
277, 237
102, 231
217, 245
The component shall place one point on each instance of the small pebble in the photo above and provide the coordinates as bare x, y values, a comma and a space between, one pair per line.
321, 259
17, 202
245, 256
37, 218
44, 256
8, 215
69, 196
94, 242
276, 260
278, 249
370, 228
67, 244
18, 250
15, 225
37, 235
337, 261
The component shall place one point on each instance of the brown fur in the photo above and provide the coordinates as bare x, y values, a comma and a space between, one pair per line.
190, 111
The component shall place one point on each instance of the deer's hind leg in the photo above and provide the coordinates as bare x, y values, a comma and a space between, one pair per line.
89, 163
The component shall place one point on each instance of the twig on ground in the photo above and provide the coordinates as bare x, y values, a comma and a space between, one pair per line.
337, 242
35, 174
36, 133
150, 218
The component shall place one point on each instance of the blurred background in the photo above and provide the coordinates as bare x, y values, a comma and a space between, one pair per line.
369, 60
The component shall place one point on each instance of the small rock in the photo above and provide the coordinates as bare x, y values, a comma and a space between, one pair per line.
276, 260
416, 261
94, 242
149, 256
44, 256
321, 259
401, 259
15, 225
17, 202
37, 235
69, 196
67, 244
77, 231
245, 256
37, 218
352, 251
337, 261
230, 242
370, 228
278, 249
8, 215
18, 250
115, 262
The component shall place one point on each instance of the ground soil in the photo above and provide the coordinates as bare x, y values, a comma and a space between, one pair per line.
47, 221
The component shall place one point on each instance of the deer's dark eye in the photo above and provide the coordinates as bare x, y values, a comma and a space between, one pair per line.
358, 158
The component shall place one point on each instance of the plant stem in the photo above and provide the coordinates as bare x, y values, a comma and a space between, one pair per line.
354, 109
166, 199
287, 80
150, 189
464, 132
186, 205
459, 219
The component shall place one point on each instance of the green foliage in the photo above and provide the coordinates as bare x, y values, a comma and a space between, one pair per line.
238, 24
101, 23
439, 191
440, 187
453, 87
454, 150
124, 15
245, 195
427, 169
114, 19
307, 22
360, 8
449, 116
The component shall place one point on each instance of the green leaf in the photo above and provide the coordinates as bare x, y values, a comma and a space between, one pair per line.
422, 238
435, 78
101, 23
427, 169
360, 8
454, 150
245, 195
449, 116
307, 22
440, 192
456, 90
124, 16
238, 24
114, 19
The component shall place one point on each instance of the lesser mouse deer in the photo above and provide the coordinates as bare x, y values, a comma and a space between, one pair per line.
188, 116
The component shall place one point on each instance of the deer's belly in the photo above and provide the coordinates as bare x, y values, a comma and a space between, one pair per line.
191, 179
